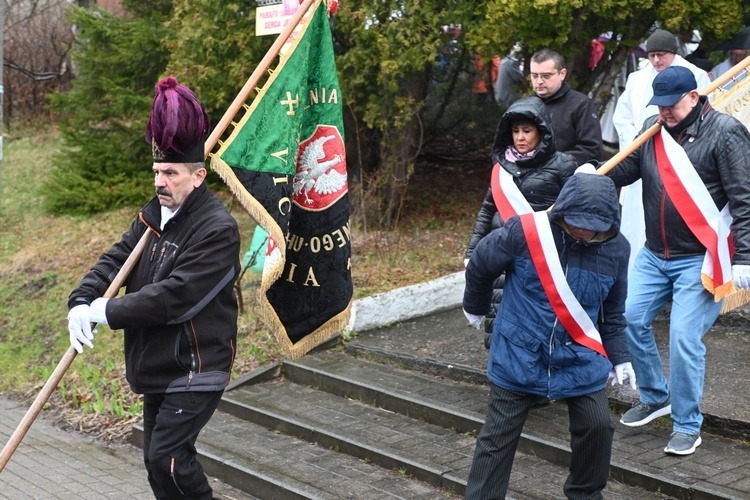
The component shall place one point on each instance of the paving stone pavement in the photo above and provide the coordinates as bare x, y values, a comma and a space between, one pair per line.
53, 464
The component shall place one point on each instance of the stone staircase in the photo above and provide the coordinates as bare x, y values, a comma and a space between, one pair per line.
371, 418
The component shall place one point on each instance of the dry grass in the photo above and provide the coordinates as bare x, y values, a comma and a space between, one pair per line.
42, 257
434, 226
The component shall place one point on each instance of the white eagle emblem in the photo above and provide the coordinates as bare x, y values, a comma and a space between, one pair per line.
315, 173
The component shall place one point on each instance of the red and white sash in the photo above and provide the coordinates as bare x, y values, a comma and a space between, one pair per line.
508, 198
695, 205
546, 260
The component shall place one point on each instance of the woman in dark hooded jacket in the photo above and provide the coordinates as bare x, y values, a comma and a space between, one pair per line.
537, 168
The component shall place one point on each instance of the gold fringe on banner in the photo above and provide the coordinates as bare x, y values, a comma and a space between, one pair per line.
735, 102
272, 272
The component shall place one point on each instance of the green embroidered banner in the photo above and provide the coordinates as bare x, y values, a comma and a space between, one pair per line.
286, 163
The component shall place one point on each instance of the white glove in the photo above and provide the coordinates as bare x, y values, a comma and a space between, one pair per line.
99, 311
621, 372
474, 320
741, 276
79, 326
586, 168
466, 262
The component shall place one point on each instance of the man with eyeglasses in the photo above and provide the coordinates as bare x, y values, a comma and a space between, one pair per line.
694, 174
631, 111
575, 122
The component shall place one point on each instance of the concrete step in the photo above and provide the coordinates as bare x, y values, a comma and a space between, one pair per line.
436, 455
443, 345
280, 433
398, 419
269, 464
638, 459
717, 471
452, 404
394, 416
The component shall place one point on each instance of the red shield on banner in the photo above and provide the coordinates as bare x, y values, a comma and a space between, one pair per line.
321, 176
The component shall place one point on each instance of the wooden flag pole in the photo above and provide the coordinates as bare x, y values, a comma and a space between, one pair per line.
65, 362
654, 129
261, 68
738, 297
114, 287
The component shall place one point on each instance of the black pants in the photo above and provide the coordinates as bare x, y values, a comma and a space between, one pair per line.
591, 431
171, 423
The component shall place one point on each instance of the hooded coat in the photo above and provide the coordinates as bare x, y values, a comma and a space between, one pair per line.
539, 177
531, 352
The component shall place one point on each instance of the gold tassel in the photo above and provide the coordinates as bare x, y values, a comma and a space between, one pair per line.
737, 298
733, 297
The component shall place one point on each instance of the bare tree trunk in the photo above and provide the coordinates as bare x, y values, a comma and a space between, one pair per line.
449, 94
399, 149
601, 91
37, 39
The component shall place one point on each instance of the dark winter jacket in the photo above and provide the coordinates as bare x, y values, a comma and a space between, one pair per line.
539, 178
531, 352
718, 146
179, 312
576, 124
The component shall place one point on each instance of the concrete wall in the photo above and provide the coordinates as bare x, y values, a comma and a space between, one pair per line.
407, 303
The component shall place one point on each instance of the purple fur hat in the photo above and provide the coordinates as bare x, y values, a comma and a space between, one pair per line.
178, 125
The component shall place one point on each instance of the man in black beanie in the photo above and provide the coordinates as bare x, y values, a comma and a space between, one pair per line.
631, 111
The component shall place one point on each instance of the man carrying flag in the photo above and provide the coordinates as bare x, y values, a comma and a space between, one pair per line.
695, 175
179, 312
558, 333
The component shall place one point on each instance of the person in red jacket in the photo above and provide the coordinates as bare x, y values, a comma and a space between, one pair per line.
485, 79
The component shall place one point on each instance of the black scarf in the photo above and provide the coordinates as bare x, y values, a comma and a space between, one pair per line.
686, 122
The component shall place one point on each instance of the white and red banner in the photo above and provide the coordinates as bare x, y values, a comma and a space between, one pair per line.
508, 198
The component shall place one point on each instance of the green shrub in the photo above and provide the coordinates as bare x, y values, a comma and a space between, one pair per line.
105, 160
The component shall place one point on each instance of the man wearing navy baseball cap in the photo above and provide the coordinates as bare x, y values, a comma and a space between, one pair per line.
676, 95
694, 170
632, 110
671, 85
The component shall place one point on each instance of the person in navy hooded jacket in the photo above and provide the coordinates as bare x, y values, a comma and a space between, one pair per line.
534, 357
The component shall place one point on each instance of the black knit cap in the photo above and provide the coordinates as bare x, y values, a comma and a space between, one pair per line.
661, 41
178, 126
